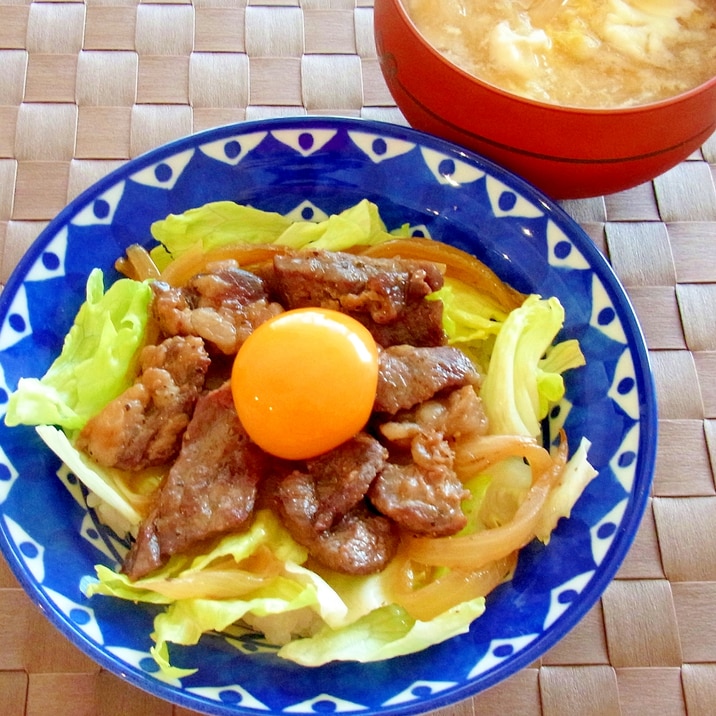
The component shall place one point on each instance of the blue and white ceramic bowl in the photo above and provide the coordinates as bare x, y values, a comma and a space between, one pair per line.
310, 168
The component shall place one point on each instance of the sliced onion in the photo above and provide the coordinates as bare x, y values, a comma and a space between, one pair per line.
479, 453
451, 589
137, 264
223, 580
212, 584
195, 261
459, 264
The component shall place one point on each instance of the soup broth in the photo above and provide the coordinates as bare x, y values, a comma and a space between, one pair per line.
582, 53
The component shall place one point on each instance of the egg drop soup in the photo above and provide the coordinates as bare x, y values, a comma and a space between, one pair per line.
580, 53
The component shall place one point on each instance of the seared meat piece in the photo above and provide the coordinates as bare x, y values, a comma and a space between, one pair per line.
408, 376
335, 482
143, 426
386, 295
324, 510
423, 500
222, 307
361, 543
419, 487
459, 418
342, 477
209, 491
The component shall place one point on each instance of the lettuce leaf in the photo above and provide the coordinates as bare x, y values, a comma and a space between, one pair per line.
470, 319
185, 620
166, 670
358, 225
122, 515
520, 385
94, 365
223, 222
468, 315
212, 225
360, 594
331, 606
383, 633
578, 473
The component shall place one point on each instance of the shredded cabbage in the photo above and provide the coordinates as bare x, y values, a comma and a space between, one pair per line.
97, 480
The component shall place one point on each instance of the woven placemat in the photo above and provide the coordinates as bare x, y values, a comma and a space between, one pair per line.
86, 86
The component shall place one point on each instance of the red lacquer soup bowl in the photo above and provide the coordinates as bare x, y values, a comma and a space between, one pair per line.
568, 152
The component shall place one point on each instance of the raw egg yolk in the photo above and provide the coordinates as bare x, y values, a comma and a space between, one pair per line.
305, 381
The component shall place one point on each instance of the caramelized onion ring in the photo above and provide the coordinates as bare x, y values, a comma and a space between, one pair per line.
476, 455
224, 580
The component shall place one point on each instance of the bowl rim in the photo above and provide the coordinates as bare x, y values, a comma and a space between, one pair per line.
638, 109
638, 498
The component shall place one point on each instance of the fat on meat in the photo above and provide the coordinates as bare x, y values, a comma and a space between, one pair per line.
210, 489
223, 307
143, 426
386, 295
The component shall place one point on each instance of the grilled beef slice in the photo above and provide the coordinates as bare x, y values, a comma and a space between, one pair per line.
408, 376
385, 295
209, 491
419, 487
322, 505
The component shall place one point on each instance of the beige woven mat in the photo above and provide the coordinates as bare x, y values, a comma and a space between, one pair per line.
84, 87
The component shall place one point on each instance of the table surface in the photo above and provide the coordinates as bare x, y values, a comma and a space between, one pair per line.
86, 86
